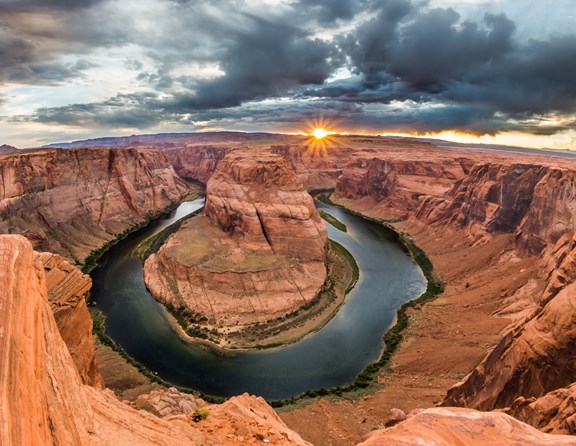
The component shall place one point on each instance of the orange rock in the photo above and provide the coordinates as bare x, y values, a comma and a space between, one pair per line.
258, 254
67, 286
452, 426
72, 201
42, 398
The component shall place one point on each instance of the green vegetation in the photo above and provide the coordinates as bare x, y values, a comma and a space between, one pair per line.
200, 414
351, 261
333, 221
91, 261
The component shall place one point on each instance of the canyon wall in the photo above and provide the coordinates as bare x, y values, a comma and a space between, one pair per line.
537, 356
44, 402
67, 286
198, 163
534, 201
258, 253
72, 201
394, 186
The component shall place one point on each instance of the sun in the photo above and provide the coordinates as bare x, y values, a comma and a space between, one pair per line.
320, 133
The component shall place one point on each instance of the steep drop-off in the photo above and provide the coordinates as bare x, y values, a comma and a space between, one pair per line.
71, 202
395, 185
43, 401
67, 286
258, 253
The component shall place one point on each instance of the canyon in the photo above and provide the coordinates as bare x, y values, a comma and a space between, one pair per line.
72, 202
499, 228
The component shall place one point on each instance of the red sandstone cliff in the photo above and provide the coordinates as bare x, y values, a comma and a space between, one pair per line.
394, 186
257, 254
537, 356
196, 162
73, 201
66, 287
43, 400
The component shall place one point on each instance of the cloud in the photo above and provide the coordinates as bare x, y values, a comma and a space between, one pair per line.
376, 65
47, 42
266, 60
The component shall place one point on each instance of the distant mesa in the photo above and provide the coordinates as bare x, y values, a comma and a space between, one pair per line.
257, 253
5, 148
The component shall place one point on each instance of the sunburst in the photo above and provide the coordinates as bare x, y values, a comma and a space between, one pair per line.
321, 137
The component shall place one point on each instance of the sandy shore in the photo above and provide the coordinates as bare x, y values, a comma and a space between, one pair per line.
445, 339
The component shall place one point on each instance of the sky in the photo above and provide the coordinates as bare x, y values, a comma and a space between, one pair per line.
494, 71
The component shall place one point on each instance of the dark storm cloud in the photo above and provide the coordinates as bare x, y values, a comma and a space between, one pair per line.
266, 60
413, 67
329, 11
136, 110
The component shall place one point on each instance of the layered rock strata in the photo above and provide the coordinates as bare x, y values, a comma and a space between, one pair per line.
71, 202
536, 357
258, 253
535, 202
67, 286
43, 400
395, 186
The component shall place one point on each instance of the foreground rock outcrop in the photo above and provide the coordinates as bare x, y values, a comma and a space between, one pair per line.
451, 426
71, 202
258, 253
67, 286
43, 400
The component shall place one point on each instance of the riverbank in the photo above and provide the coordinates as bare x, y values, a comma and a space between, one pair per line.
440, 346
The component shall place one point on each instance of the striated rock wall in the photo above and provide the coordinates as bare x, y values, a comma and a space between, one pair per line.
196, 162
394, 186
258, 197
257, 254
66, 287
316, 168
536, 357
534, 201
42, 398
73, 201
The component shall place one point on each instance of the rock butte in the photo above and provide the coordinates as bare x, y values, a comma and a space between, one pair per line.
499, 227
256, 254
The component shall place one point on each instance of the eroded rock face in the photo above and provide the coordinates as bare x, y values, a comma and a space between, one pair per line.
554, 412
452, 426
530, 361
536, 202
72, 201
259, 198
196, 162
257, 254
43, 400
395, 186
491, 198
67, 286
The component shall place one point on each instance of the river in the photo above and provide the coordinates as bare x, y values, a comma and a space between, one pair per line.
333, 356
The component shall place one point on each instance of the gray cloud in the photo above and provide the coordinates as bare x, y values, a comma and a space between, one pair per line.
414, 68
38, 39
